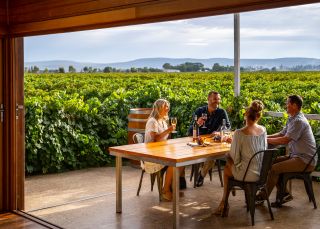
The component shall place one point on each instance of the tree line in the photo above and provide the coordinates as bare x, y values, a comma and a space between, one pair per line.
87, 69
185, 67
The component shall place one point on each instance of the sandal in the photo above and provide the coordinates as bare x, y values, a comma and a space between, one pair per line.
166, 196
220, 211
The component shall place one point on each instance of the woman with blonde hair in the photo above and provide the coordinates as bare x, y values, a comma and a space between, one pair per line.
157, 130
245, 143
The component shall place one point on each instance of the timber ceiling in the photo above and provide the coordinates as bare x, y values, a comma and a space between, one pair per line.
34, 17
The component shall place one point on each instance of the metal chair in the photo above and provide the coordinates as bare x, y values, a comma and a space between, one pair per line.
139, 138
251, 188
303, 175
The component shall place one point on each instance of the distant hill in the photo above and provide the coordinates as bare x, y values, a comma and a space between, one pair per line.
158, 62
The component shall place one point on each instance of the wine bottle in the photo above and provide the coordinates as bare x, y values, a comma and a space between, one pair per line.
195, 129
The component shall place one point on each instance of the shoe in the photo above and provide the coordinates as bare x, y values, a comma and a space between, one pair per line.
276, 204
220, 210
233, 191
183, 183
200, 180
259, 199
287, 197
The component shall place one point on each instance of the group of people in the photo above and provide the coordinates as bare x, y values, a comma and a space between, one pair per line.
248, 140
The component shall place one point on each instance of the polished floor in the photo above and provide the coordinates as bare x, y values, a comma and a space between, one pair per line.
85, 199
14, 221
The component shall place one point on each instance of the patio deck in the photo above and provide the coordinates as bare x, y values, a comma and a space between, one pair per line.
85, 199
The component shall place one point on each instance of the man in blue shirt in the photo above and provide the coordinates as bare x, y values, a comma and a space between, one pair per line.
215, 115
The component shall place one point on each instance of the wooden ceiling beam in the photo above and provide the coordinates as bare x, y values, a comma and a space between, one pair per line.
96, 20
50, 10
129, 12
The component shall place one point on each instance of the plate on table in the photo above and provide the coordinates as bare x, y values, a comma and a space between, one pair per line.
193, 144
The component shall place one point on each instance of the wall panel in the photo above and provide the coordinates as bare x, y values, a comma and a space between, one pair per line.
2, 158
12, 191
3, 17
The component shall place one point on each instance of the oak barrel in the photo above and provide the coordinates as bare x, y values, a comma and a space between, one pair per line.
137, 120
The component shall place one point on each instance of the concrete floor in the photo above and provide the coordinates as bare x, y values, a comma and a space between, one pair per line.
85, 199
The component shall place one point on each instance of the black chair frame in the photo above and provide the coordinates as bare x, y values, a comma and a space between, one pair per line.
303, 175
153, 176
251, 188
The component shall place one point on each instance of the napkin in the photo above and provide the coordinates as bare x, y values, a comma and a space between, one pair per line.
192, 144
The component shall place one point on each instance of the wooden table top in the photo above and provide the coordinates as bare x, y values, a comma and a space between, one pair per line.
172, 151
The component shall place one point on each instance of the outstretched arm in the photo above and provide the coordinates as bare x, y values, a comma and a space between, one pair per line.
276, 135
278, 140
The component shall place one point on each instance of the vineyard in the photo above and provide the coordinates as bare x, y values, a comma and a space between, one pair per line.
72, 118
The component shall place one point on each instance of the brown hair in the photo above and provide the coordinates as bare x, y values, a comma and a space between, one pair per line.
254, 111
296, 99
213, 93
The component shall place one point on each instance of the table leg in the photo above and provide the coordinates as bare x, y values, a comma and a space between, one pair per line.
196, 174
119, 184
175, 207
289, 186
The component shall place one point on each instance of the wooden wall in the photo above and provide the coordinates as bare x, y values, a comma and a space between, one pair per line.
32, 17
2, 159
3, 17
12, 152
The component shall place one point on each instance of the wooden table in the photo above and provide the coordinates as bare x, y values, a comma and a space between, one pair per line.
173, 152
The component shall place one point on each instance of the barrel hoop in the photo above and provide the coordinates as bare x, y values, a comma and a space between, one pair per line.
140, 111
137, 120
136, 130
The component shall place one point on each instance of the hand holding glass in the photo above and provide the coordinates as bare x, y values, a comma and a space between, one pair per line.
173, 121
204, 117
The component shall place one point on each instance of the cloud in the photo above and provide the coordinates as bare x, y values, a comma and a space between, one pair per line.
197, 44
291, 31
256, 33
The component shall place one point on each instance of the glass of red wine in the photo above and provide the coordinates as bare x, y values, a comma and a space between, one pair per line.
204, 117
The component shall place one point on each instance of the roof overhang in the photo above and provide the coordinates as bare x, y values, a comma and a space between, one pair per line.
33, 17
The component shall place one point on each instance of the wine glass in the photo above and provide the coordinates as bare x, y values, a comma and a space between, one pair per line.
173, 121
204, 117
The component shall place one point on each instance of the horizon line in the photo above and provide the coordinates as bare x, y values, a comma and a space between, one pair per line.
172, 58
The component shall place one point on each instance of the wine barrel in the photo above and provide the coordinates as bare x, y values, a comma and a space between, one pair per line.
137, 120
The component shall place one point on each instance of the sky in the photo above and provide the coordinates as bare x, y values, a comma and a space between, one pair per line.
276, 33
